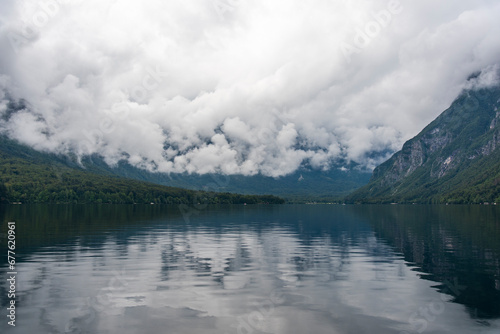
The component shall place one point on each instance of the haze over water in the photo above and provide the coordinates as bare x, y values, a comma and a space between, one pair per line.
255, 269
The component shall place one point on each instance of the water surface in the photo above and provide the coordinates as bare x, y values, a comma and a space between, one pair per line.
255, 269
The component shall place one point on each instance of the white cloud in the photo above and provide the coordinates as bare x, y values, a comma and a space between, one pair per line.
489, 77
238, 86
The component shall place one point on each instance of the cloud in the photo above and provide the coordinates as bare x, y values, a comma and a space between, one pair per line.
488, 77
237, 87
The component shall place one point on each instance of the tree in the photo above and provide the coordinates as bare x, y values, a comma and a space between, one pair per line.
3, 193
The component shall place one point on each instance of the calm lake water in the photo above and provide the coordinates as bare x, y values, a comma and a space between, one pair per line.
290, 269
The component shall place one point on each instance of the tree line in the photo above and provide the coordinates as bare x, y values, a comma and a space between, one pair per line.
24, 182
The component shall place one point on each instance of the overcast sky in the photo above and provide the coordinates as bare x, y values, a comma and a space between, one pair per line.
237, 86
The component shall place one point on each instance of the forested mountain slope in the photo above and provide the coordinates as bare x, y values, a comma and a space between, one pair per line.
29, 176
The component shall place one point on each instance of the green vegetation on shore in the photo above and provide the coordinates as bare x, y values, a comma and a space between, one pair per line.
28, 176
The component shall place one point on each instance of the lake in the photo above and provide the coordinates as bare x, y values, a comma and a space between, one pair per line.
290, 269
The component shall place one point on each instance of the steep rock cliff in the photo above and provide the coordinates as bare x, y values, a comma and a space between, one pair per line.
456, 158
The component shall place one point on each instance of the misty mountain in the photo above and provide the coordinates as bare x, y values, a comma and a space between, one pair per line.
29, 176
455, 159
306, 183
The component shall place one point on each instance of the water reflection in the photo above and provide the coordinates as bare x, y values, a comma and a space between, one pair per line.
457, 247
256, 269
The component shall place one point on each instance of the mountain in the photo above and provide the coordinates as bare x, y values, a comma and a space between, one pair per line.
303, 185
455, 159
29, 176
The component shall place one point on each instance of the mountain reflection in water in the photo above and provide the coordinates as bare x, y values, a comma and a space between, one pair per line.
255, 269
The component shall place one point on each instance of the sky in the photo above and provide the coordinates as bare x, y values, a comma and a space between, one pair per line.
238, 86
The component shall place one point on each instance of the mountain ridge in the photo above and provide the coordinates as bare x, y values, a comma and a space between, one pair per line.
304, 185
29, 176
454, 159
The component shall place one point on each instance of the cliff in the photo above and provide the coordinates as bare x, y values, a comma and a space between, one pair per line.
455, 159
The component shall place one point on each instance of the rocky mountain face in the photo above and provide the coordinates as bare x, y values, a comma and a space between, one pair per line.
454, 159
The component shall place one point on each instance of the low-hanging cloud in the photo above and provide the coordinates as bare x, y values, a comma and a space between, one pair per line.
237, 86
